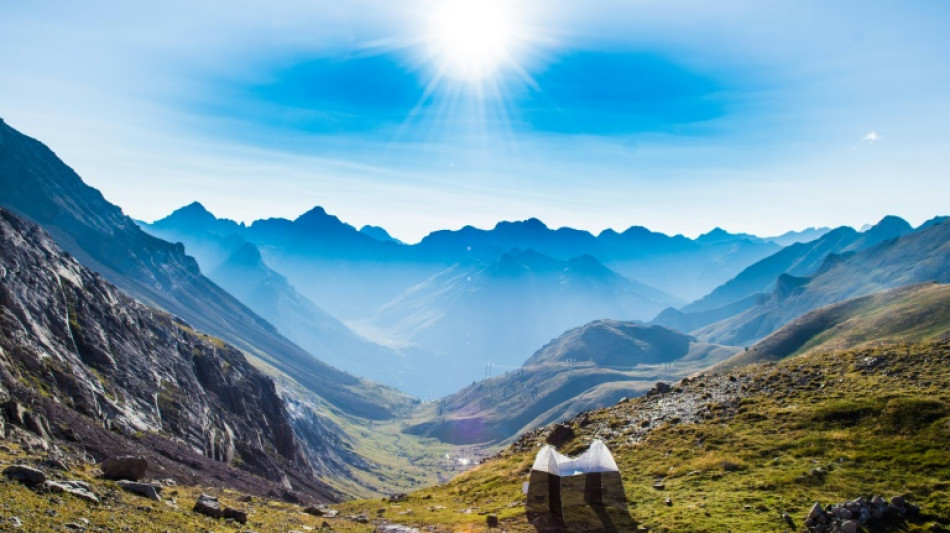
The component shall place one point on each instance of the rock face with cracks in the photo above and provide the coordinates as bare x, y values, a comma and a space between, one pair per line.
74, 343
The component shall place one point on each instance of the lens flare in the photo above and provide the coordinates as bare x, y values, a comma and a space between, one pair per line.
471, 39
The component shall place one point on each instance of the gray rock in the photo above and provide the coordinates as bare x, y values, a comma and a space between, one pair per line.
849, 526
237, 515
394, 528
13, 411
815, 512
844, 513
56, 464
878, 501
130, 467
142, 489
25, 474
79, 489
208, 506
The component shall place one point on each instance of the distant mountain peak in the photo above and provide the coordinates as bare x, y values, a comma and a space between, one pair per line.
378, 233
315, 213
891, 223
718, 235
531, 225
194, 211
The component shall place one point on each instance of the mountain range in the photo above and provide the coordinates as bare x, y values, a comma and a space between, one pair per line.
204, 332
457, 299
327, 402
920, 256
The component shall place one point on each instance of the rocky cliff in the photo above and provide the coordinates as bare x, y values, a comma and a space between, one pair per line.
112, 374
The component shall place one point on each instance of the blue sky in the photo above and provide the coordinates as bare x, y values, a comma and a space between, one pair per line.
680, 116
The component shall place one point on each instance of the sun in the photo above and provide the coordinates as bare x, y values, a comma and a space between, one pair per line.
472, 40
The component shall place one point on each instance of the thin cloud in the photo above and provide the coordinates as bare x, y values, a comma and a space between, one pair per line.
872, 136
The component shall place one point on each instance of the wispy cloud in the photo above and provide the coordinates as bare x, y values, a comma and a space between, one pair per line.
871, 137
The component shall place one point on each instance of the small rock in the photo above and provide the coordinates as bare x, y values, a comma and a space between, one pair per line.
208, 506
788, 520
658, 485
878, 501
316, 510
130, 467
844, 513
25, 474
79, 489
142, 489
15, 521
669, 502
55, 464
396, 498
849, 526
729, 466
237, 515
394, 528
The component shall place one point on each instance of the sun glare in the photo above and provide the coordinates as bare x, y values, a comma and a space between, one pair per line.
471, 39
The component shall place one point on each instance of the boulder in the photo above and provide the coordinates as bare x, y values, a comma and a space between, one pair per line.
849, 526
25, 474
79, 489
130, 467
13, 411
560, 435
237, 515
146, 490
208, 506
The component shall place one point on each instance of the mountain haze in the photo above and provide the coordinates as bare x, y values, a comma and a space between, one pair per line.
585, 368
920, 256
911, 313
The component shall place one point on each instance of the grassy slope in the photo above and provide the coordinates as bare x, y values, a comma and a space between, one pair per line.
884, 429
913, 313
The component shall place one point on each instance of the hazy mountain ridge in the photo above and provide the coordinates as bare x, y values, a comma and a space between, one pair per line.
585, 368
238, 266
505, 309
41, 187
920, 256
910, 313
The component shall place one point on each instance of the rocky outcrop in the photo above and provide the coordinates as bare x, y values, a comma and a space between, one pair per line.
146, 490
25, 474
208, 506
852, 516
73, 341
